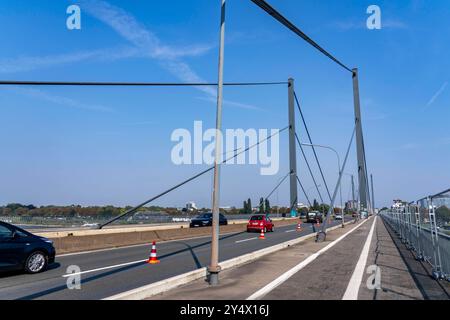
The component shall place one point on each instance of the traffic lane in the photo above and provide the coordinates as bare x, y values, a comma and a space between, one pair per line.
109, 257
98, 259
19, 284
327, 277
178, 263
104, 284
191, 254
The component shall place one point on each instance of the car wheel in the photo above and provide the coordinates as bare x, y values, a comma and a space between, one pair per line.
36, 262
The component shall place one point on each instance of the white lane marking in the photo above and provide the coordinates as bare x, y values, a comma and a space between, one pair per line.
104, 268
289, 231
281, 279
355, 281
246, 240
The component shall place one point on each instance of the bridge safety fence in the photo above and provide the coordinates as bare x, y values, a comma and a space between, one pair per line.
424, 227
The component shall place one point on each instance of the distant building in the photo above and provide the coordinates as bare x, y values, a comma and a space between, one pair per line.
302, 205
398, 204
191, 206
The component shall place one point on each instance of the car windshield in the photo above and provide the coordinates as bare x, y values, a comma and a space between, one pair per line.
204, 216
257, 218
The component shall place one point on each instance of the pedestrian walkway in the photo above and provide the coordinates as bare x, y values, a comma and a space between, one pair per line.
331, 270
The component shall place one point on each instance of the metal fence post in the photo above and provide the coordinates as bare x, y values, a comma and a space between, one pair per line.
437, 272
420, 255
408, 217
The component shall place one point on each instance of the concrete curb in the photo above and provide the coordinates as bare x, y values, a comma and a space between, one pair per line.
182, 279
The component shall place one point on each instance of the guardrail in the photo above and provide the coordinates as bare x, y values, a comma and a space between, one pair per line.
423, 226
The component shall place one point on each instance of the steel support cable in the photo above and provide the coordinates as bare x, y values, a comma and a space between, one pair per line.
275, 14
309, 167
278, 185
304, 191
131, 84
336, 188
134, 209
313, 148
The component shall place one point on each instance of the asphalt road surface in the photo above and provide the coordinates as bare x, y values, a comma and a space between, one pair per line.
109, 272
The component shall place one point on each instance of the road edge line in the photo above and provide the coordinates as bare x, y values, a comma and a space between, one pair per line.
185, 278
352, 291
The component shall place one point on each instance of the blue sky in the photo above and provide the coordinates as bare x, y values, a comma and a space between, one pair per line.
96, 146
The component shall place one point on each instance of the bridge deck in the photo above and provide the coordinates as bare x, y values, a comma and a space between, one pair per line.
328, 276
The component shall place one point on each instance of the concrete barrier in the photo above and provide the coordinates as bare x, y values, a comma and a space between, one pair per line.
112, 238
177, 281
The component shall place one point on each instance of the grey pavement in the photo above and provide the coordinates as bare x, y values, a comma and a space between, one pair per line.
328, 276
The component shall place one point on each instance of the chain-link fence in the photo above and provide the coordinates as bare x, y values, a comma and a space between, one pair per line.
424, 227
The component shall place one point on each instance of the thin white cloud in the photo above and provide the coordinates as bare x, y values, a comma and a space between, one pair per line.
232, 103
59, 100
437, 94
131, 30
144, 44
409, 146
361, 24
32, 63
394, 24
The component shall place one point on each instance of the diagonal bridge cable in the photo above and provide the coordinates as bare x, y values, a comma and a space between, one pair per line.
303, 189
313, 148
278, 16
309, 167
277, 186
132, 210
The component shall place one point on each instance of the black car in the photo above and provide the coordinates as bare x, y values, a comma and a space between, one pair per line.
22, 250
205, 220
313, 216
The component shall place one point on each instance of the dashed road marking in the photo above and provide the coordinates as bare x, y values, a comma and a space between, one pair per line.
104, 268
239, 241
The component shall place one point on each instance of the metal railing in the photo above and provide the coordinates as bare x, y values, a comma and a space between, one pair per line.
424, 227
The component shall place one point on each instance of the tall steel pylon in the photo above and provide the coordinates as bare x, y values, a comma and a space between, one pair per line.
362, 177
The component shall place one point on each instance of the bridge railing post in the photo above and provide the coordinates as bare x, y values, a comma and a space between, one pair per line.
437, 271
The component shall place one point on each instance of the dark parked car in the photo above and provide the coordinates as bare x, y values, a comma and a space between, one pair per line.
22, 250
313, 216
205, 220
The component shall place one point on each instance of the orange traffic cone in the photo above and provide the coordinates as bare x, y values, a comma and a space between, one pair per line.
299, 226
261, 235
153, 259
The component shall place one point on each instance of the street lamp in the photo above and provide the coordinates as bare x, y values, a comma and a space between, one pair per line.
339, 169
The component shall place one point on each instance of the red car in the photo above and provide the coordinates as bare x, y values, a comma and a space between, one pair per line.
260, 222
